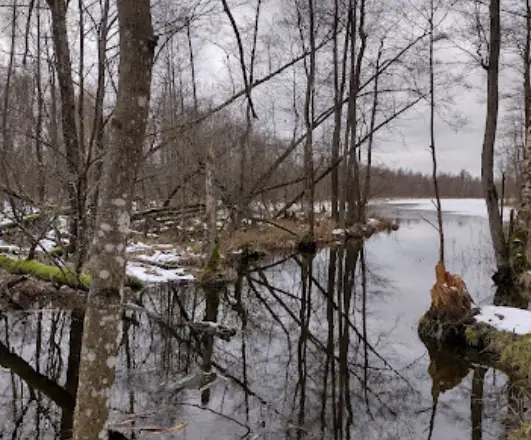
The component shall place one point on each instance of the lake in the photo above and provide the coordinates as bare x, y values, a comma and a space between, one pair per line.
325, 347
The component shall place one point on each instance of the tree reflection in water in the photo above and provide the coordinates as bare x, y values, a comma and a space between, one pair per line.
310, 359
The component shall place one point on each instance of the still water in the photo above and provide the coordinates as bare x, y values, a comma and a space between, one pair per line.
324, 348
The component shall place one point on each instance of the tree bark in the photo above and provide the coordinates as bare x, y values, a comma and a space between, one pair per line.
210, 207
309, 123
128, 127
524, 212
353, 193
96, 143
63, 65
432, 136
487, 156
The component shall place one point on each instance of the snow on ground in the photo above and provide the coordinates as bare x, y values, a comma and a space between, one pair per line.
47, 244
471, 207
153, 274
136, 247
507, 319
147, 257
160, 257
6, 247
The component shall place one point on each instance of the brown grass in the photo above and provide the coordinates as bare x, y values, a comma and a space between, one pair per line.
269, 237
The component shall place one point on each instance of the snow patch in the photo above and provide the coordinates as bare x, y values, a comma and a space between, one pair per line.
135, 247
47, 244
161, 257
8, 247
507, 319
373, 222
153, 274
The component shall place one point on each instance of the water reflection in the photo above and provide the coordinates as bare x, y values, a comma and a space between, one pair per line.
325, 347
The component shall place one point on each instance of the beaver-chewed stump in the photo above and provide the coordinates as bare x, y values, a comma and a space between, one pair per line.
450, 311
452, 322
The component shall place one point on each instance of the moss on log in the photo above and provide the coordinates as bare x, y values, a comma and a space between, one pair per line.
56, 274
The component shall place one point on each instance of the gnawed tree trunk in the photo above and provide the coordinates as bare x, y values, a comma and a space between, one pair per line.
451, 307
128, 127
449, 296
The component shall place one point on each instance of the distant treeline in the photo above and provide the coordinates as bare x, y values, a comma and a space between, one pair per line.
406, 183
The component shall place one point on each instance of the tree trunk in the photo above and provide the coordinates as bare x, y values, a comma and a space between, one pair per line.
96, 144
7, 136
353, 194
368, 170
41, 171
524, 212
63, 65
527, 68
432, 137
309, 122
336, 145
128, 127
210, 206
487, 156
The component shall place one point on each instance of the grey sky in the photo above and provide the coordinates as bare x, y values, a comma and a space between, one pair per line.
406, 145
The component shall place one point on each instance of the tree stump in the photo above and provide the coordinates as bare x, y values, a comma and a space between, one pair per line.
450, 300
450, 310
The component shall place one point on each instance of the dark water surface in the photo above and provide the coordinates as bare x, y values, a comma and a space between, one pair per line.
325, 348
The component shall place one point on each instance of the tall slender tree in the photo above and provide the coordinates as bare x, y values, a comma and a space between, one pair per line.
487, 156
124, 154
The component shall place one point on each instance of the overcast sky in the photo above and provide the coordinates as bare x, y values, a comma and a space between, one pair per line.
406, 145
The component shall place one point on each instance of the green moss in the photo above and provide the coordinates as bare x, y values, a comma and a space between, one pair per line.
479, 335
518, 257
514, 352
214, 260
523, 432
134, 283
45, 272
56, 252
472, 336
57, 275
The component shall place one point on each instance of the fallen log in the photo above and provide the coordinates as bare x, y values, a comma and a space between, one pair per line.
169, 211
56, 274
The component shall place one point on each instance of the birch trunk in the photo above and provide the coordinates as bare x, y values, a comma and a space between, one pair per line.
124, 153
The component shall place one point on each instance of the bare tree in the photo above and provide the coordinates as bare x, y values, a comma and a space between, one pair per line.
63, 66
124, 154
489, 139
432, 132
